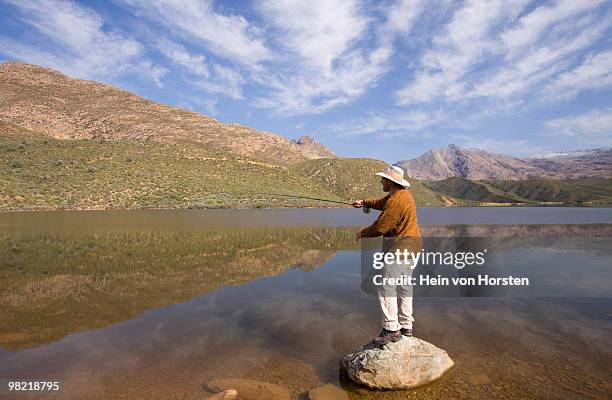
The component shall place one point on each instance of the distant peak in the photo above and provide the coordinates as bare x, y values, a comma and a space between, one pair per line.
453, 147
313, 148
304, 139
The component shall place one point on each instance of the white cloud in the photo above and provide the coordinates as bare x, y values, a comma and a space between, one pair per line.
209, 76
464, 43
317, 31
194, 63
402, 16
155, 72
594, 123
228, 36
485, 51
530, 27
396, 123
330, 55
541, 64
309, 58
595, 72
224, 81
313, 92
83, 48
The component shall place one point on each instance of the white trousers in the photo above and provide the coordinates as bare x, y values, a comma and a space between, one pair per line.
396, 300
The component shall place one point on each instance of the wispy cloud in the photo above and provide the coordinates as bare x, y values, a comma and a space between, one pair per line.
323, 64
316, 31
463, 43
314, 92
197, 104
540, 65
594, 124
79, 43
208, 76
176, 53
488, 51
396, 123
402, 16
595, 72
227, 35
529, 28
224, 81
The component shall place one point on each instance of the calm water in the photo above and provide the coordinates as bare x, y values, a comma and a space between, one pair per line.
155, 304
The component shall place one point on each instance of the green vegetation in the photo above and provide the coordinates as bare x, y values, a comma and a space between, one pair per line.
465, 189
353, 178
584, 190
534, 191
41, 173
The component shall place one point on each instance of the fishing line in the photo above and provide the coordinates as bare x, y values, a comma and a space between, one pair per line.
365, 209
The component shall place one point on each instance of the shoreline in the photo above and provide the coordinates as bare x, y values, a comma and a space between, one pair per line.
489, 205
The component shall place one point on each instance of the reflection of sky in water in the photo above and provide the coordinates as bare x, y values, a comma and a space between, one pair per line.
314, 317
551, 273
292, 328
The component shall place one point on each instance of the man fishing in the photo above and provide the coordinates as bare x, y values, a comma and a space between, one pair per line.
400, 230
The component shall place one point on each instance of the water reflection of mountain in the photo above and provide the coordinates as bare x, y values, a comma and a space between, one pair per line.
52, 285
593, 239
55, 285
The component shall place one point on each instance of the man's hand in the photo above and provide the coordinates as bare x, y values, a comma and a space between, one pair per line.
358, 235
358, 203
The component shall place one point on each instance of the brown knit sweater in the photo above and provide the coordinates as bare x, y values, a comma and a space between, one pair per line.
398, 218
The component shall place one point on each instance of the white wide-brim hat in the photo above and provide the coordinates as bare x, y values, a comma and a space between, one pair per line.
395, 174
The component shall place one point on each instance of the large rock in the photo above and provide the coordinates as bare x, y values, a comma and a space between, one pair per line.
405, 364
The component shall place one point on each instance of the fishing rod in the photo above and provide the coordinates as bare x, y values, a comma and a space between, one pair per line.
365, 209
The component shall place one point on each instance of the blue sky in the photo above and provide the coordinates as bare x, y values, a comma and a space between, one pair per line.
379, 79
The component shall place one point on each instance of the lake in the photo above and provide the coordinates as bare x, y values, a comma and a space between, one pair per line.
157, 303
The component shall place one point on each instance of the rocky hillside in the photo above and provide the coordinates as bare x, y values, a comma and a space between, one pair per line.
576, 164
466, 163
313, 149
48, 102
353, 178
583, 191
456, 161
42, 173
465, 189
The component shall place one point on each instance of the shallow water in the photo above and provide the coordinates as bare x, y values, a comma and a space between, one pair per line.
155, 304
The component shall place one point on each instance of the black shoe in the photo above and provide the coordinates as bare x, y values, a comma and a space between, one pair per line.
406, 332
387, 336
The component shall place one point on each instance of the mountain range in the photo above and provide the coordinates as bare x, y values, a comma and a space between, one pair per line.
71, 144
74, 144
469, 163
